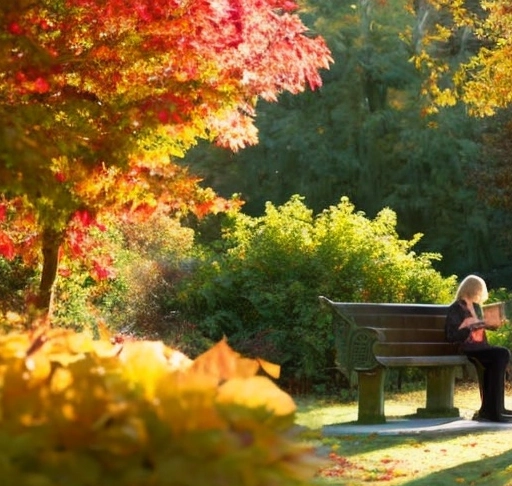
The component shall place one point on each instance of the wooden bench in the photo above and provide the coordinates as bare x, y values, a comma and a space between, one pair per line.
370, 338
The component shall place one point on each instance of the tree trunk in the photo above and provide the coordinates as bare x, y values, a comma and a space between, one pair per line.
51, 241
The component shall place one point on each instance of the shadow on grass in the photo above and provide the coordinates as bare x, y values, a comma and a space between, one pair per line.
354, 444
434, 458
474, 459
492, 471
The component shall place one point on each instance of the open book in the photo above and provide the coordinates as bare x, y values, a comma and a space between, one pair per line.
494, 314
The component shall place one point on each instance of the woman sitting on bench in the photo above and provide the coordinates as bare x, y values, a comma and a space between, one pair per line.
464, 325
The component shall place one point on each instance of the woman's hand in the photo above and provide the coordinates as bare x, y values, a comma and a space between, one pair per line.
471, 323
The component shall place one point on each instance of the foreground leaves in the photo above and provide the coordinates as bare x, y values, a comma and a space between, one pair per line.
81, 412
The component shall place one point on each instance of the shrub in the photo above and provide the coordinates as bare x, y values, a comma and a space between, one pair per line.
503, 335
148, 258
262, 292
15, 278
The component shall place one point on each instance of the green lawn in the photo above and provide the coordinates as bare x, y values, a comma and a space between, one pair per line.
483, 458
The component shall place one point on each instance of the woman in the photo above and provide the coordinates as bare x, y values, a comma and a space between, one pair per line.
464, 325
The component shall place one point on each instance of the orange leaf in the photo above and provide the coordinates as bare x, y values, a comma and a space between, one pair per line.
224, 363
103, 330
271, 369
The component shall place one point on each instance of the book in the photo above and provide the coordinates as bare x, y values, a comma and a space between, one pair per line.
494, 314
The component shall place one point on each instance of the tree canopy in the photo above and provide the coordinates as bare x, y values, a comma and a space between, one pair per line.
481, 32
97, 98
367, 134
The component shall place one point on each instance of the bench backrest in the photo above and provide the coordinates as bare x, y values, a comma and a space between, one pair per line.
368, 334
407, 330
404, 330
399, 322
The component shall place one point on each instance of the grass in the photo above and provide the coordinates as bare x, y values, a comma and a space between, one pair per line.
482, 458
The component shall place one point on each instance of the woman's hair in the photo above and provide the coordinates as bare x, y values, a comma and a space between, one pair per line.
474, 288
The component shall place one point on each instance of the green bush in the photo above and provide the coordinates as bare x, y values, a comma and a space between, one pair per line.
503, 335
147, 260
262, 292
150, 257
15, 278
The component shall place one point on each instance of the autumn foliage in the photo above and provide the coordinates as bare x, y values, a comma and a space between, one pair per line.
191, 68
478, 34
99, 97
78, 411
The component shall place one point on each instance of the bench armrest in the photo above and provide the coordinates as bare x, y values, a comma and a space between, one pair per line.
354, 344
362, 342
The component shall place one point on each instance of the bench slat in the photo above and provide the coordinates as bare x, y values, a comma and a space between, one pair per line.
414, 349
400, 322
422, 361
413, 335
359, 308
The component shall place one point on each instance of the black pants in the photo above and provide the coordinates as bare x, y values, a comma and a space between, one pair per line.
494, 359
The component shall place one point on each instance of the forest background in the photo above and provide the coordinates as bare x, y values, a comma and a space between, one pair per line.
369, 135
358, 191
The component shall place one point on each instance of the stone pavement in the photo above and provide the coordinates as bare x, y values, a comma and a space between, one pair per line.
402, 426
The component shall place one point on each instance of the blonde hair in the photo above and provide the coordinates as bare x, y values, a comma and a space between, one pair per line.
473, 288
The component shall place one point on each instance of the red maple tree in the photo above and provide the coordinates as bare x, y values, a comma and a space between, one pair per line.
99, 97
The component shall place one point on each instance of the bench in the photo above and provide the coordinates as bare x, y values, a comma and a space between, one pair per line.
371, 337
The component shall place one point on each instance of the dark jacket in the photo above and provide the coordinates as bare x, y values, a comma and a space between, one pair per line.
457, 312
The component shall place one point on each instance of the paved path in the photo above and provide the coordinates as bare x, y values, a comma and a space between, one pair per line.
414, 426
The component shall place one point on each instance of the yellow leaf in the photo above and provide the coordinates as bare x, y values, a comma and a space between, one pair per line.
13, 345
177, 360
144, 363
61, 379
13, 318
104, 331
256, 392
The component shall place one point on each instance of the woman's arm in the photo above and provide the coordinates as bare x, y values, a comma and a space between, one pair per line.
457, 324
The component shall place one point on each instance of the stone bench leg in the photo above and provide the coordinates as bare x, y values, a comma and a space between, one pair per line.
440, 391
371, 396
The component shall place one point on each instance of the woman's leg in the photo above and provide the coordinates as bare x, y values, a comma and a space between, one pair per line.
495, 360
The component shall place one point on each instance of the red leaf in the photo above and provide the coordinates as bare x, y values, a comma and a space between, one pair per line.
7, 248
163, 116
84, 218
15, 29
60, 177
41, 86
102, 269
20, 77
64, 272
289, 6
